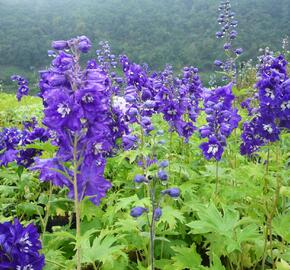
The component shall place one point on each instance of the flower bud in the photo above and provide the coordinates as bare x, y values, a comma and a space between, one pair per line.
239, 51
59, 45
139, 178
133, 112
164, 163
84, 44
218, 63
138, 211
129, 141
157, 213
172, 192
162, 175
227, 46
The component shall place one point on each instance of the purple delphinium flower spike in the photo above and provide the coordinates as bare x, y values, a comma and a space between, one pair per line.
23, 88
178, 99
273, 113
228, 34
221, 118
85, 116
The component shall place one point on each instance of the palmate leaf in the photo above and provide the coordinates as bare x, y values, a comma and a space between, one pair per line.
103, 248
186, 258
89, 210
125, 203
54, 259
217, 265
171, 216
281, 226
212, 221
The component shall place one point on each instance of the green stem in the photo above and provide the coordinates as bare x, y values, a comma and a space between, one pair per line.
47, 208
267, 171
152, 224
170, 152
77, 205
216, 177
265, 248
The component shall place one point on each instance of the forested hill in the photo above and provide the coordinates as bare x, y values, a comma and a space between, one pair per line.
179, 32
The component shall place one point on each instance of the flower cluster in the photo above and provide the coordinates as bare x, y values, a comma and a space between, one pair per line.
155, 197
178, 99
228, 33
19, 247
221, 118
83, 118
273, 113
139, 95
105, 58
14, 142
23, 88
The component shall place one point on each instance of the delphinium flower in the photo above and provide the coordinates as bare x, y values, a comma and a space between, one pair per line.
105, 58
108, 62
23, 88
85, 120
19, 247
178, 100
14, 143
154, 181
139, 96
273, 112
228, 33
221, 118
81, 114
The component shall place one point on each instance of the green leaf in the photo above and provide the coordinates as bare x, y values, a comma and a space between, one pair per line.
217, 265
281, 226
103, 248
171, 216
186, 258
212, 221
29, 209
45, 146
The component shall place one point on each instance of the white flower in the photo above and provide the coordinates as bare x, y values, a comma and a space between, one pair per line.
63, 109
120, 102
213, 148
268, 128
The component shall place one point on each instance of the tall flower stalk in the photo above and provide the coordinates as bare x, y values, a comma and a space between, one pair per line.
153, 212
84, 121
228, 33
221, 119
268, 120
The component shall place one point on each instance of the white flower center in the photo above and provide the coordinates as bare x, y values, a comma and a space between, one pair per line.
269, 93
25, 241
268, 128
165, 96
26, 267
87, 98
171, 112
63, 109
213, 148
97, 148
285, 105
